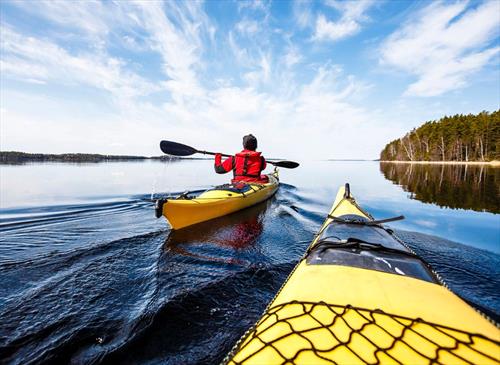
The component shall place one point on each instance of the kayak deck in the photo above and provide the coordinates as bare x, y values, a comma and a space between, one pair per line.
217, 202
353, 302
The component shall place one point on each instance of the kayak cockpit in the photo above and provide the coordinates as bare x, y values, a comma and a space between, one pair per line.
359, 242
363, 258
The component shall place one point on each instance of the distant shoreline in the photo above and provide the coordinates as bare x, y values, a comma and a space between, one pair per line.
15, 157
490, 163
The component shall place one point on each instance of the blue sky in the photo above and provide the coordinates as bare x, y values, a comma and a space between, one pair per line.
312, 80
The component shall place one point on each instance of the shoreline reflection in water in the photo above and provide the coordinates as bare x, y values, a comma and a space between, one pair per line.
474, 187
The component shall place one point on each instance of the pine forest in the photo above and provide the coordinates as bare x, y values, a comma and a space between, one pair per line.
456, 138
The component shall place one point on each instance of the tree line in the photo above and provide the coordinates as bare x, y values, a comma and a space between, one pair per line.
15, 157
456, 138
21, 157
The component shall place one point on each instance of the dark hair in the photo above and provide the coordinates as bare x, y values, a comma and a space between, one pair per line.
250, 142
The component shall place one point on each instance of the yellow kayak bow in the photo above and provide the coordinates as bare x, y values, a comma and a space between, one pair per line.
360, 296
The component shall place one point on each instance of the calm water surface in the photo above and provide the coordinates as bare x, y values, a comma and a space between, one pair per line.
90, 276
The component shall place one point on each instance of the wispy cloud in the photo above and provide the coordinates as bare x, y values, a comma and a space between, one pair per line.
444, 45
352, 14
180, 33
303, 13
292, 56
174, 67
176, 30
88, 16
255, 5
251, 43
248, 27
179, 42
261, 72
42, 61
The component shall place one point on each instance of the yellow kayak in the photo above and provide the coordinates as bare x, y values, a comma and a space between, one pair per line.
359, 295
185, 211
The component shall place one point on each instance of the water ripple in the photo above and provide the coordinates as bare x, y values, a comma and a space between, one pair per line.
107, 283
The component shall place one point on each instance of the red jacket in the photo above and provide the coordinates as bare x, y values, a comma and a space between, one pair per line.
246, 166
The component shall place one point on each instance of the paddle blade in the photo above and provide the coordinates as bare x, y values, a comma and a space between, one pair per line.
285, 164
176, 149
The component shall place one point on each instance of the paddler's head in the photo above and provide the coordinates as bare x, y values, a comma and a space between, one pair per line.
250, 142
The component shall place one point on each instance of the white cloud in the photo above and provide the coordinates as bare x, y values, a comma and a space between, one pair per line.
292, 57
239, 52
180, 45
175, 30
23, 69
352, 15
311, 109
252, 46
452, 75
89, 16
445, 45
32, 59
351, 9
334, 31
302, 13
248, 27
317, 113
255, 5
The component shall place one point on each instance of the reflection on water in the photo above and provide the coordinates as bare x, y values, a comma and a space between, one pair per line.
233, 232
454, 186
90, 276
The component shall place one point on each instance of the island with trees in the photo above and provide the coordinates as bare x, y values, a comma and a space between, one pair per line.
459, 138
15, 158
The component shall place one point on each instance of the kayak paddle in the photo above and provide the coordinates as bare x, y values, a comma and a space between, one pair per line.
179, 149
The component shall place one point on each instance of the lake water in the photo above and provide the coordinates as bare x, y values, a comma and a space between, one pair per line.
89, 275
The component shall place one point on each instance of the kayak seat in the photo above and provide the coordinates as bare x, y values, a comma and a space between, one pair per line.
234, 188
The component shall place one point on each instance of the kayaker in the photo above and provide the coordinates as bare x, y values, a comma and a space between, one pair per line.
246, 165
